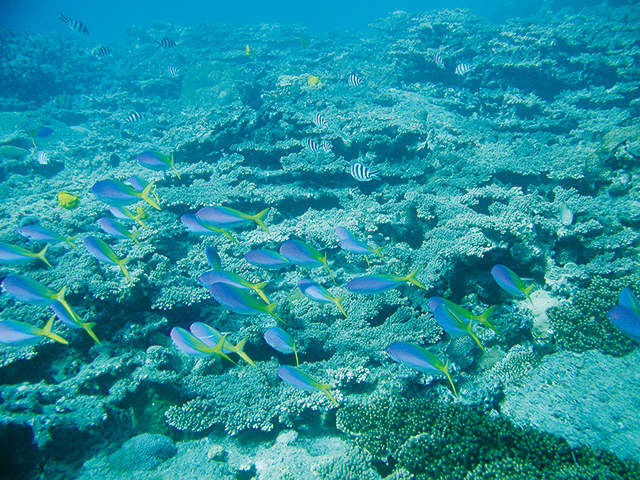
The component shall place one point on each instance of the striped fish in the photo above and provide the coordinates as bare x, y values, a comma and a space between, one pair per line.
166, 42
362, 174
135, 117
75, 25
312, 145
102, 51
319, 120
463, 68
43, 158
173, 71
354, 80
326, 146
438, 59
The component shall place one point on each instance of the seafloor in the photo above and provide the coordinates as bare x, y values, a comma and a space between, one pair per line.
528, 160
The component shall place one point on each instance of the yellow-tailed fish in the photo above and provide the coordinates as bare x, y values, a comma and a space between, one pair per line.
297, 378
510, 282
19, 334
381, 283
40, 234
154, 160
14, 255
118, 194
102, 252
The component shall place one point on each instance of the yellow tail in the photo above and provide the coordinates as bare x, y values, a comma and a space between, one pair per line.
46, 332
145, 196
258, 218
41, 256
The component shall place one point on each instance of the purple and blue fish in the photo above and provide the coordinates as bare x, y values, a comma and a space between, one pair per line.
118, 194
188, 343
297, 378
266, 259
210, 336
281, 341
304, 255
510, 282
14, 255
455, 325
195, 225
211, 277
349, 243
318, 293
381, 283
628, 299
225, 217
103, 253
40, 234
239, 301
154, 160
19, 334
417, 358
111, 227
626, 315
29, 291
463, 313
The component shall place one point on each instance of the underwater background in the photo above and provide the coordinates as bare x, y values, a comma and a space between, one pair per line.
226, 234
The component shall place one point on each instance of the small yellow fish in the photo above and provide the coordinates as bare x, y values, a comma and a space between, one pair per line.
68, 200
313, 80
247, 50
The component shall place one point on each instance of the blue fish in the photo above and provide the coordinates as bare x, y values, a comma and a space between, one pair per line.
434, 302
18, 334
281, 341
419, 359
103, 253
193, 346
510, 282
118, 194
627, 320
40, 234
42, 132
13, 255
297, 378
213, 258
318, 293
303, 255
239, 301
225, 217
123, 213
137, 183
455, 325
112, 227
198, 227
210, 336
29, 291
628, 299
266, 259
220, 276
350, 244
381, 283
154, 160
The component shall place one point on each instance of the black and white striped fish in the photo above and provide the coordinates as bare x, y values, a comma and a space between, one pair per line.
319, 120
438, 59
362, 173
166, 42
173, 71
75, 25
312, 145
326, 145
43, 157
463, 68
102, 51
354, 80
134, 117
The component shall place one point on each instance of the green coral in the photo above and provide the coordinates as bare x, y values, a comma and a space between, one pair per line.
435, 440
583, 324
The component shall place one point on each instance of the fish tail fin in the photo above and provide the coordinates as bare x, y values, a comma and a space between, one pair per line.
325, 388
378, 251
174, 167
295, 352
326, 264
527, 292
63, 18
258, 218
484, 319
46, 332
135, 240
445, 370
41, 256
144, 195
70, 240
218, 349
88, 326
339, 305
122, 264
239, 349
270, 308
474, 336
412, 278
140, 215
257, 287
